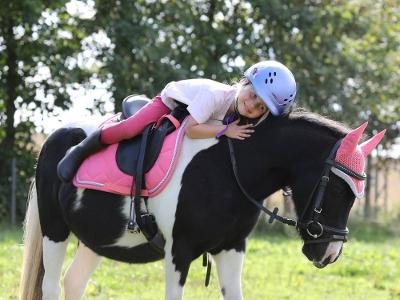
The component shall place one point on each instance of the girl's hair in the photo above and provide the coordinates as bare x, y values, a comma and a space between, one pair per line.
245, 83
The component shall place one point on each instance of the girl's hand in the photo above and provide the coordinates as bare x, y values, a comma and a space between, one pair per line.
239, 132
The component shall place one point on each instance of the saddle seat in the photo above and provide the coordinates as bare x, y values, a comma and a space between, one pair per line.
114, 168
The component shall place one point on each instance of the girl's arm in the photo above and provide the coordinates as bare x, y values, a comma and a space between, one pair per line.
195, 130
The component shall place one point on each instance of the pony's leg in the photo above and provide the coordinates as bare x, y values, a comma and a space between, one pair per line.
53, 257
175, 276
229, 266
79, 271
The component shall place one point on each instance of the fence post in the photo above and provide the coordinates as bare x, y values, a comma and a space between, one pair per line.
367, 205
385, 188
13, 206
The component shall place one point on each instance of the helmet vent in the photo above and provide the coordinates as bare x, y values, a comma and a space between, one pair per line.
270, 79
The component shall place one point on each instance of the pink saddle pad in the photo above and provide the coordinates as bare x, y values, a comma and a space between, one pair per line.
100, 171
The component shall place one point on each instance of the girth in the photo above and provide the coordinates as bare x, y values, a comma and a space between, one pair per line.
136, 157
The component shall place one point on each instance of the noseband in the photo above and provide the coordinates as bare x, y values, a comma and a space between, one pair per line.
313, 227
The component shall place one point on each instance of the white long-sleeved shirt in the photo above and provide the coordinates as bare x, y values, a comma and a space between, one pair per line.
206, 99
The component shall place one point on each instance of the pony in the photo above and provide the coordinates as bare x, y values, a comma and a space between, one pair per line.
203, 209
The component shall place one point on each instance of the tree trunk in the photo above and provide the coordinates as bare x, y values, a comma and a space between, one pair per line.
367, 206
12, 81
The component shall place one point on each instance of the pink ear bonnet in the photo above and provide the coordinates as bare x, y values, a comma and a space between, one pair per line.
353, 156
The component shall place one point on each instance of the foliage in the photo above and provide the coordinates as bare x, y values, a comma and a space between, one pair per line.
39, 42
336, 49
273, 268
25, 155
344, 54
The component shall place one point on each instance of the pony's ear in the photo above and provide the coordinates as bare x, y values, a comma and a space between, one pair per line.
369, 145
350, 141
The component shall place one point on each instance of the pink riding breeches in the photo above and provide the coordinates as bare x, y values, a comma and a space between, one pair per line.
115, 132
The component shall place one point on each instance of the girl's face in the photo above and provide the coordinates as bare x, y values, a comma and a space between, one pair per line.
249, 104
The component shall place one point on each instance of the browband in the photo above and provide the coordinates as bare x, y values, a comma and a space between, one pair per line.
346, 170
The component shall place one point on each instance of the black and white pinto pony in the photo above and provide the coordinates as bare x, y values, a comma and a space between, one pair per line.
202, 209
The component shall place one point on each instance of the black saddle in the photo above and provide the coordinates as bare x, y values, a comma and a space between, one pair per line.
128, 150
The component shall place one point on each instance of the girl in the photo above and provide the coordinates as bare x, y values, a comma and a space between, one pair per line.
267, 86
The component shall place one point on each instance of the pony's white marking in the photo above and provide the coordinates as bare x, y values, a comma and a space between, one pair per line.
173, 290
332, 251
77, 276
163, 206
53, 257
128, 239
229, 267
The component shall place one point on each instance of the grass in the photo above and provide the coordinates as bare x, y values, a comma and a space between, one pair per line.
274, 269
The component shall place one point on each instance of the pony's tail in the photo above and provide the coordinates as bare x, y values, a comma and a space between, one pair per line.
32, 265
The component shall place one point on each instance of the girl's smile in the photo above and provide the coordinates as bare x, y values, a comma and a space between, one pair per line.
249, 104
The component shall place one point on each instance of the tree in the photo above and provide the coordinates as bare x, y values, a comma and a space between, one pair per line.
345, 55
154, 43
38, 43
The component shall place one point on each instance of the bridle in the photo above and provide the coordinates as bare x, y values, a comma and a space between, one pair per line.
313, 227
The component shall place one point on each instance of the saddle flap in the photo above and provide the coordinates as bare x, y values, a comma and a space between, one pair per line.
127, 155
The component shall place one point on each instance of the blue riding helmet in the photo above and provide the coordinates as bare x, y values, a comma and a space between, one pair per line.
274, 83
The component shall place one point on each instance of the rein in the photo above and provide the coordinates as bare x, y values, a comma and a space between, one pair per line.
313, 227
273, 215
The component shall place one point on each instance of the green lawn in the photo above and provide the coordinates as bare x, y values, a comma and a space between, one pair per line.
275, 268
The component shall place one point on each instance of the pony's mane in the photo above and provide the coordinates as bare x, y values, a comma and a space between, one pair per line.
336, 128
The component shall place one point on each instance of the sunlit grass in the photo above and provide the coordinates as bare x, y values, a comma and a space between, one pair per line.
274, 269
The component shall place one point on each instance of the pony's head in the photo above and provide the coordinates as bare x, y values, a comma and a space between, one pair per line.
323, 214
